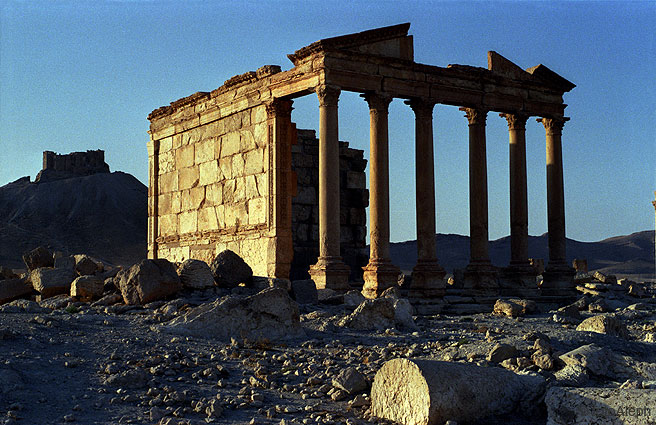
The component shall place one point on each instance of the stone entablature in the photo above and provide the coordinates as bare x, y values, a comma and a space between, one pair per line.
57, 166
251, 114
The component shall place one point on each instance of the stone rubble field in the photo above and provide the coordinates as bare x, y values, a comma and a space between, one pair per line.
193, 343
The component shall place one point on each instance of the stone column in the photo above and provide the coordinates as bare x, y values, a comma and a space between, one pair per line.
427, 275
518, 192
558, 275
478, 214
380, 273
153, 198
329, 271
280, 248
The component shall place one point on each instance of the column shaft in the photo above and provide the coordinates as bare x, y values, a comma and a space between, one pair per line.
380, 273
478, 213
518, 190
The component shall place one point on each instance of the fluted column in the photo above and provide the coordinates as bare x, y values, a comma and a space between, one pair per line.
329, 271
427, 275
478, 214
555, 193
518, 191
380, 273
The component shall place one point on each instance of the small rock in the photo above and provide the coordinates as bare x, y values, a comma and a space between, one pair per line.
351, 381
604, 324
501, 352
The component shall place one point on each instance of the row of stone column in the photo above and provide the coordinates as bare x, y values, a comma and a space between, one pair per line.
427, 276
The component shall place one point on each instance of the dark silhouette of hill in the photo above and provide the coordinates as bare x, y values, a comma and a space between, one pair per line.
103, 215
631, 255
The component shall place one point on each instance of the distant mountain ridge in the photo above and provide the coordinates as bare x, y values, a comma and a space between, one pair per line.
631, 255
103, 215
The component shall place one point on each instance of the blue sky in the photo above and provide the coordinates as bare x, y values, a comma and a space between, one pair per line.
84, 75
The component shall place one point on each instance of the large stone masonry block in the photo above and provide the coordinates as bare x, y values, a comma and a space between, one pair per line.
252, 191
188, 222
209, 173
238, 165
193, 198
168, 182
254, 161
228, 191
188, 178
225, 167
168, 225
260, 133
166, 162
207, 219
184, 157
204, 151
257, 211
165, 145
235, 215
240, 190
230, 144
214, 194
247, 140
355, 180
258, 114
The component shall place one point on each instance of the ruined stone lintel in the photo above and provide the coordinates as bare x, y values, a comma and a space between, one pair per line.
330, 273
379, 275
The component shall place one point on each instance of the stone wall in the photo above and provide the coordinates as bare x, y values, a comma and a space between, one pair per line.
305, 206
74, 164
212, 190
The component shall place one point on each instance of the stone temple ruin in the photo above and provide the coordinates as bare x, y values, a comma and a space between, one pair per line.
225, 170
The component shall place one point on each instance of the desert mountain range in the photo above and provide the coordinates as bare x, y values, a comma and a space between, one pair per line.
105, 215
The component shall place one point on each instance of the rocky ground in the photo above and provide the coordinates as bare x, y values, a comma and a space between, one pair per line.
169, 361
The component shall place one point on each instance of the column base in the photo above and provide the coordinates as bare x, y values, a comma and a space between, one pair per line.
519, 280
558, 280
481, 279
427, 280
379, 275
330, 273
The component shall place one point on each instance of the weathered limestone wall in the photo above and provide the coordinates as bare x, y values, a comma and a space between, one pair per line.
212, 190
305, 206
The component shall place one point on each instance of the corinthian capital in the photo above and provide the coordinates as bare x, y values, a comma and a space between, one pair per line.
328, 95
515, 121
422, 108
377, 101
475, 115
553, 125
279, 108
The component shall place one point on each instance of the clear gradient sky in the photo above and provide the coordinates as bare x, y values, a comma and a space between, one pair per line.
79, 75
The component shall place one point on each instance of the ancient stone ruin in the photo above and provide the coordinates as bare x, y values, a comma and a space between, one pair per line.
222, 173
74, 164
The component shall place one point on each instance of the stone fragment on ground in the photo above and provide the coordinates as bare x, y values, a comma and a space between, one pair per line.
230, 270
380, 314
604, 324
600, 406
351, 381
304, 291
423, 392
148, 280
50, 282
38, 257
85, 265
514, 307
501, 352
11, 289
87, 287
196, 274
268, 315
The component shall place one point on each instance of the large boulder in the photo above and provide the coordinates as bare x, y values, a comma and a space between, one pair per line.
268, 315
379, 314
196, 274
430, 392
305, 291
148, 280
38, 257
600, 406
50, 282
230, 270
85, 265
604, 324
87, 287
10, 289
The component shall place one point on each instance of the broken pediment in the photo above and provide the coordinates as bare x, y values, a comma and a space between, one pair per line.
392, 41
502, 66
550, 78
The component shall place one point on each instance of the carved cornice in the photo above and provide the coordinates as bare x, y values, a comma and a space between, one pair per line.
279, 108
515, 121
422, 108
328, 95
553, 125
377, 101
475, 115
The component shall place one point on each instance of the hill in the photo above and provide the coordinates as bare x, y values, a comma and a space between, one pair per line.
631, 255
103, 215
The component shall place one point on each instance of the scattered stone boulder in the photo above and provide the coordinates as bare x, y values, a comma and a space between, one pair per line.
148, 280
600, 406
261, 283
85, 265
611, 279
11, 289
351, 381
501, 352
304, 291
87, 287
514, 307
50, 282
427, 392
380, 314
196, 274
637, 290
230, 270
596, 359
353, 299
604, 324
268, 315
568, 314
38, 257
57, 302
65, 262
